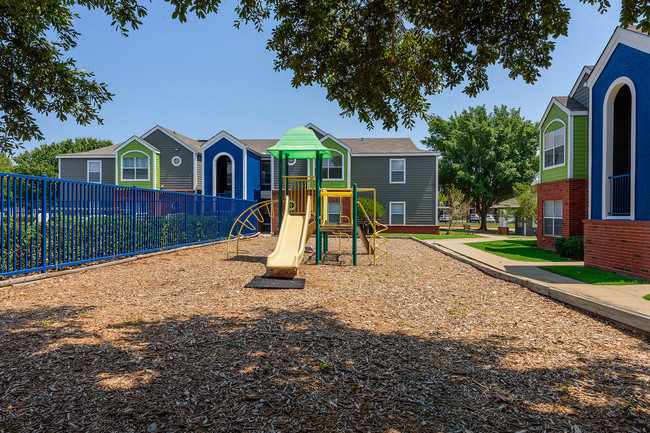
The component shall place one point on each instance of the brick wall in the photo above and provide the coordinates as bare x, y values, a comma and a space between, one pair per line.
573, 193
345, 204
618, 246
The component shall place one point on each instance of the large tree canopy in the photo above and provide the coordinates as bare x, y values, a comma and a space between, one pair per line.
42, 160
379, 59
485, 154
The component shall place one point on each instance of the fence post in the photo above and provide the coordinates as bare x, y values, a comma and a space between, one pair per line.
186, 218
134, 227
43, 223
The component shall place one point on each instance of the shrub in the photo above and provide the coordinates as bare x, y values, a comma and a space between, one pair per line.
367, 204
572, 247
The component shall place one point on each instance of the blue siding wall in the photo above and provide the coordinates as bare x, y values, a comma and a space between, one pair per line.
634, 64
237, 154
254, 176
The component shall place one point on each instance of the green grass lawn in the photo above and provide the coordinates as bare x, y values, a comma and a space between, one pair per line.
517, 249
443, 235
593, 276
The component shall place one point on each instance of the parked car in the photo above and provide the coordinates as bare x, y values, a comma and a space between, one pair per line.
474, 218
444, 218
490, 218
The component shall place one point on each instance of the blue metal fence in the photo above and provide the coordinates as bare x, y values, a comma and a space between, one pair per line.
50, 223
619, 195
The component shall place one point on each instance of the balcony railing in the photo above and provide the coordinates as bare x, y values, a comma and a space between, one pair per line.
619, 195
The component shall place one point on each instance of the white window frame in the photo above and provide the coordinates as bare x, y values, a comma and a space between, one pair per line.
564, 136
390, 170
390, 212
124, 155
553, 217
101, 170
342, 167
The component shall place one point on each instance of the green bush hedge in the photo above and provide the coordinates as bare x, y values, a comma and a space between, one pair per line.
572, 247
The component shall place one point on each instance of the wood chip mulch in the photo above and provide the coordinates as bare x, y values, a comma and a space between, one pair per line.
175, 343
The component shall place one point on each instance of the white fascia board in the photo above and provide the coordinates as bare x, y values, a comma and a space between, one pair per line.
390, 155
176, 139
139, 140
578, 113
337, 141
312, 126
84, 156
232, 139
555, 102
586, 70
623, 36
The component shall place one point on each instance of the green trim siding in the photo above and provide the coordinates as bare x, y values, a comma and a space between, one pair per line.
331, 144
557, 173
580, 147
136, 146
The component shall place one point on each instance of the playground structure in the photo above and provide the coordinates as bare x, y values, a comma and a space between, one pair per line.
303, 209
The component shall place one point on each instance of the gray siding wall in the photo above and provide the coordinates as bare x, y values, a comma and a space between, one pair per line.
582, 93
419, 191
173, 178
298, 169
77, 169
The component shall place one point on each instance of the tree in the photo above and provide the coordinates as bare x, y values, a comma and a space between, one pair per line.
42, 160
484, 154
378, 59
456, 204
6, 165
526, 196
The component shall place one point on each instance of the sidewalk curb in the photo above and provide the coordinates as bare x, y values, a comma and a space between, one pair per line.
109, 262
627, 318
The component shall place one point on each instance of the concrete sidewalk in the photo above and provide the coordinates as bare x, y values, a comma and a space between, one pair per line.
624, 304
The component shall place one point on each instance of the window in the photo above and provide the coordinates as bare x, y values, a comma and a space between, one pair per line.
554, 148
266, 174
292, 161
176, 160
397, 171
553, 218
397, 213
333, 168
135, 168
333, 212
94, 171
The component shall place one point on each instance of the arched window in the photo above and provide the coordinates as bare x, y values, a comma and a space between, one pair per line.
224, 175
618, 148
135, 166
554, 144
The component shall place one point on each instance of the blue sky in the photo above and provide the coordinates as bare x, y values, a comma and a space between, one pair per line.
204, 76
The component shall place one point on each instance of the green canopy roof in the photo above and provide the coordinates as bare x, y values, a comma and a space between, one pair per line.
299, 143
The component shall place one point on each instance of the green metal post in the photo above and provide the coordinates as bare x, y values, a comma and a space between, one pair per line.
318, 176
281, 193
354, 224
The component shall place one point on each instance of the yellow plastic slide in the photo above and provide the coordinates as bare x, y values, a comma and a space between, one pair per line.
294, 233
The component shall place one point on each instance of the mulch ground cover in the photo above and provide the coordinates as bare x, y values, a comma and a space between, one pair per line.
175, 343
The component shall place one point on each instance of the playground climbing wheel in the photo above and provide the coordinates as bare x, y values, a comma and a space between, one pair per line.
248, 219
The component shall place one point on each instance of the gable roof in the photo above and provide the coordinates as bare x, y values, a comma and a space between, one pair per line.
631, 36
193, 144
582, 78
358, 146
102, 152
570, 103
362, 146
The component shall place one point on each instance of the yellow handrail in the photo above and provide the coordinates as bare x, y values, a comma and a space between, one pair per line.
255, 210
376, 239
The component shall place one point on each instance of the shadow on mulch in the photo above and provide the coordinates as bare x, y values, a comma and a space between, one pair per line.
248, 259
287, 371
